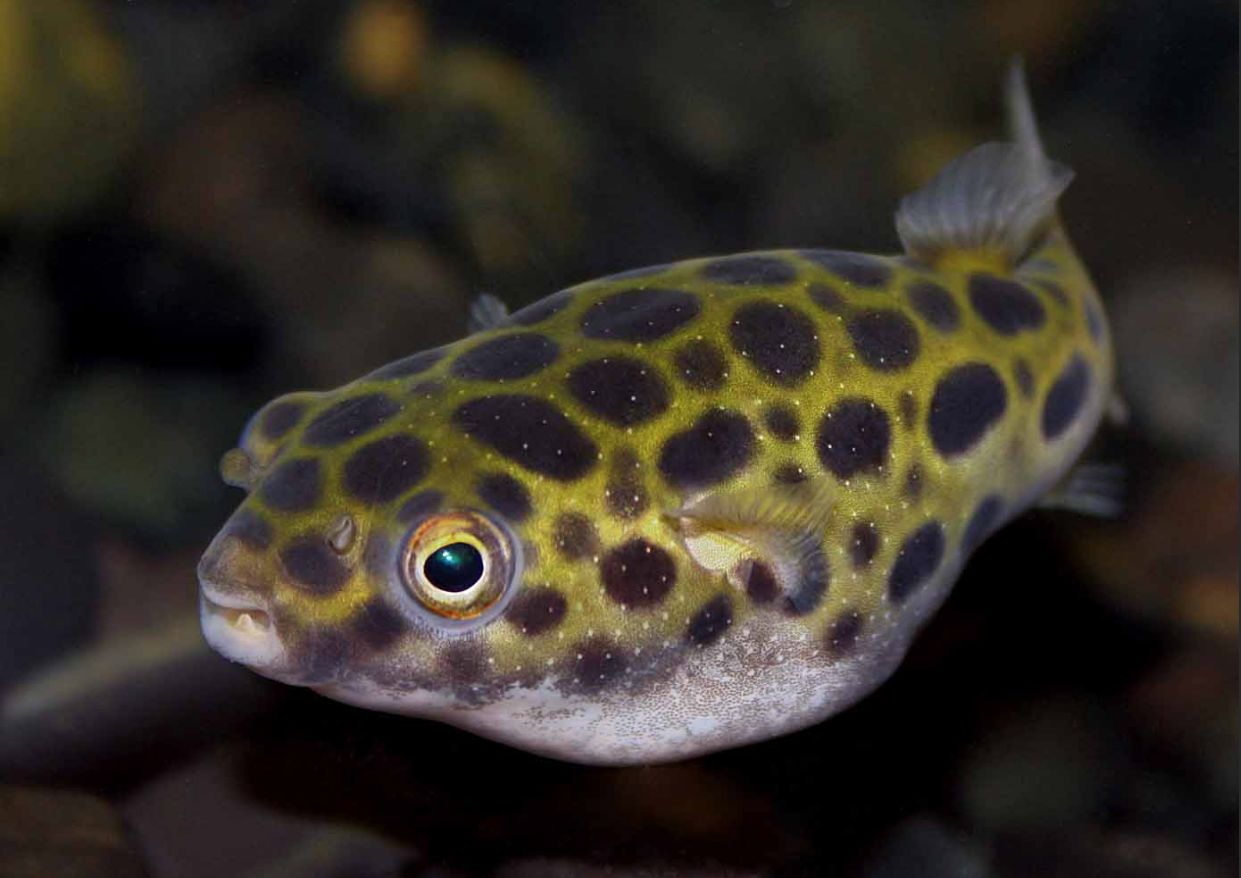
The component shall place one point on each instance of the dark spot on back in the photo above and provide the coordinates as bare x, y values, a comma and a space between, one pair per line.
639, 315
247, 527
781, 422
294, 486
907, 408
749, 271
843, 633
913, 482
420, 505
348, 418
968, 401
934, 304
383, 470
710, 622
1004, 305
280, 417
827, 298
1024, 377
718, 446
761, 584
506, 357
863, 544
313, 566
621, 390
378, 624
790, 474
530, 432
536, 610
779, 340
575, 536
701, 365
505, 495
598, 662
916, 561
638, 574
853, 438
415, 364
1066, 397
884, 340
981, 523
626, 495
541, 310
856, 268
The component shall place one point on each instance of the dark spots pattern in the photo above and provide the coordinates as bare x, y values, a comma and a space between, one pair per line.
981, 523
530, 432
505, 495
1066, 397
781, 422
856, 268
916, 562
827, 298
813, 577
597, 663
313, 566
913, 482
968, 401
790, 474
853, 438
420, 505
506, 357
383, 470
294, 486
780, 341
247, 527
842, 634
378, 625
541, 310
907, 408
710, 622
639, 315
863, 544
701, 365
575, 536
934, 304
1024, 378
625, 494
1004, 305
348, 418
638, 574
761, 584
415, 364
750, 271
280, 417
621, 390
536, 610
884, 340
716, 447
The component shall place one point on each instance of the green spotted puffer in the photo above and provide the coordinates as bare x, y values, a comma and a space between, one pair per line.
680, 508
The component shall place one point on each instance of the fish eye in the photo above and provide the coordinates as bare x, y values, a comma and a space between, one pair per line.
458, 564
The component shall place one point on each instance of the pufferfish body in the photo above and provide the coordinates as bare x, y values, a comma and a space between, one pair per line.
680, 508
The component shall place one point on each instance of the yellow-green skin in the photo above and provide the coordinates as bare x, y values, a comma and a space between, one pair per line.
569, 666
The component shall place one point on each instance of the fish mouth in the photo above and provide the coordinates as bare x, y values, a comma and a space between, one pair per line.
242, 632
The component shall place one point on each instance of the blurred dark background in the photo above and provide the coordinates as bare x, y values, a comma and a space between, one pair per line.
205, 204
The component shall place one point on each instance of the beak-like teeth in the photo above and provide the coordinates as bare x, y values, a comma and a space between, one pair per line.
242, 633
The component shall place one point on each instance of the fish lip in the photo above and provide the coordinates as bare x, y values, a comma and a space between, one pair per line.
242, 632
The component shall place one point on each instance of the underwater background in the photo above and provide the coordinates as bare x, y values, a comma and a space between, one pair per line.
207, 203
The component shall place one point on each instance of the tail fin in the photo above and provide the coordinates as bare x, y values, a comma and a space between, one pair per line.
993, 202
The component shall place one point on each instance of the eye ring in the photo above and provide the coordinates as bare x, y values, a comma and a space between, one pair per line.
458, 565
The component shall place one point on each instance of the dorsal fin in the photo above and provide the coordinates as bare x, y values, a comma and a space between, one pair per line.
486, 312
992, 203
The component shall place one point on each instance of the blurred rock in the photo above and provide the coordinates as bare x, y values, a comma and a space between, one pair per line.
66, 834
1049, 764
68, 108
140, 450
1176, 329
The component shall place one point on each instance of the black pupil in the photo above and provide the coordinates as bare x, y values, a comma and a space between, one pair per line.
455, 567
